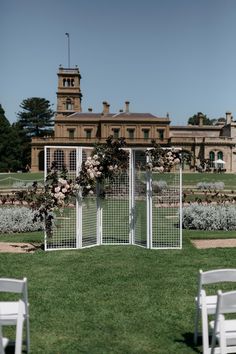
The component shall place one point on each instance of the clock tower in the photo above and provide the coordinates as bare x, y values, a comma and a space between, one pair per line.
68, 95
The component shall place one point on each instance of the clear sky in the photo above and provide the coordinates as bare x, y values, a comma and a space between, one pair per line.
176, 56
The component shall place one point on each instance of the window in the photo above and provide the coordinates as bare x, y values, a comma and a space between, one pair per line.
69, 105
71, 133
146, 133
88, 133
212, 158
161, 134
130, 133
116, 133
219, 155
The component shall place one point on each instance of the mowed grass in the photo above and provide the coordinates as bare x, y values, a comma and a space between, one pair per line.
114, 299
191, 179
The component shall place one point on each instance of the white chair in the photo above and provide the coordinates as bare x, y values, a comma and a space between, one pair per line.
9, 309
19, 331
224, 330
205, 278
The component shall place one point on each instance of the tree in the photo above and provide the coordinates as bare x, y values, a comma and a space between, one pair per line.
36, 119
5, 129
195, 119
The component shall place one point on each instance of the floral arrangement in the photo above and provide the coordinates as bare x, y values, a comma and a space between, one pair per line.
56, 193
162, 160
106, 162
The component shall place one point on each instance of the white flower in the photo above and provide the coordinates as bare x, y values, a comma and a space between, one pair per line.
57, 189
115, 167
62, 181
176, 161
91, 192
95, 157
99, 174
88, 186
64, 190
110, 168
89, 158
91, 175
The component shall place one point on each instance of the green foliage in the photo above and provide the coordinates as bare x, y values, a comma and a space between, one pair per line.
36, 117
194, 120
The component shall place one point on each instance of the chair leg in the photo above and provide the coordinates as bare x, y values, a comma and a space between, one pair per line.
27, 335
195, 338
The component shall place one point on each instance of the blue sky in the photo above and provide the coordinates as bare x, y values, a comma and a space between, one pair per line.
176, 56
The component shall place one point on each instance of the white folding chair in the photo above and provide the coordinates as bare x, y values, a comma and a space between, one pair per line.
19, 331
224, 330
9, 309
209, 277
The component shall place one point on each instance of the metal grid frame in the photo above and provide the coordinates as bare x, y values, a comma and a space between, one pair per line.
133, 212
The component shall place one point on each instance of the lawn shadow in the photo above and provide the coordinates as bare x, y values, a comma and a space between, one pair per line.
188, 341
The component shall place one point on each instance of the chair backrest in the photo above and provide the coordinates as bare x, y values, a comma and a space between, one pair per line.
226, 302
217, 276
13, 285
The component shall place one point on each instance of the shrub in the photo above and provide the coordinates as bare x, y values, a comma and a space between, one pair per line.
158, 186
211, 185
209, 217
18, 219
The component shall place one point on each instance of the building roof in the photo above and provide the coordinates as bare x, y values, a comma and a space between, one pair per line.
90, 116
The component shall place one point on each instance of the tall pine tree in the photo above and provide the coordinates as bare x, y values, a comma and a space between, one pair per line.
36, 119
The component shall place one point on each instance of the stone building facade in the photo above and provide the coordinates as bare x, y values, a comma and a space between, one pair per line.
73, 127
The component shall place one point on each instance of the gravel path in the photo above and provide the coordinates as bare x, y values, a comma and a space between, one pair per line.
12, 247
229, 242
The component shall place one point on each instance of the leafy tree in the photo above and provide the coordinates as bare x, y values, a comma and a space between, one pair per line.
5, 130
194, 120
36, 119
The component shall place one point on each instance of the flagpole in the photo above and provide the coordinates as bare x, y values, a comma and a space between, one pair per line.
68, 37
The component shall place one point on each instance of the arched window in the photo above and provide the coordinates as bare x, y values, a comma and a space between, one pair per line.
64, 82
73, 160
212, 158
59, 158
69, 105
220, 155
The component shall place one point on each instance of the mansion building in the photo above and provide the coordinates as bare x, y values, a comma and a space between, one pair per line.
73, 127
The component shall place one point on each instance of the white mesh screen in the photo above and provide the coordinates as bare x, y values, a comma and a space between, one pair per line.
116, 211
140, 198
64, 231
166, 231
128, 214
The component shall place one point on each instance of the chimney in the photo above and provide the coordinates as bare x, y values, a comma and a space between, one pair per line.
126, 106
228, 117
90, 109
106, 107
201, 117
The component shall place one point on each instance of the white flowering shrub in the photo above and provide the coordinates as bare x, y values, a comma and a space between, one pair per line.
211, 186
209, 217
159, 186
18, 219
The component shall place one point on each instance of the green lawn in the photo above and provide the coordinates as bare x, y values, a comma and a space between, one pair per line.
191, 179
114, 299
